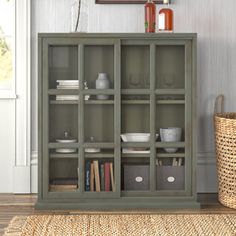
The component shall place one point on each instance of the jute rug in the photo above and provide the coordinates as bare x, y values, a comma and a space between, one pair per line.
123, 225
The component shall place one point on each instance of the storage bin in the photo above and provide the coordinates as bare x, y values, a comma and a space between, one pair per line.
136, 177
225, 137
170, 178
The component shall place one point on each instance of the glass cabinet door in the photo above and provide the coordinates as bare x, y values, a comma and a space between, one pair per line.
173, 117
60, 124
99, 158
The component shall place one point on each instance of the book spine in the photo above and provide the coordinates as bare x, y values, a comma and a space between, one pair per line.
87, 176
97, 177
91, 177
102, 177
112, 177
107, 176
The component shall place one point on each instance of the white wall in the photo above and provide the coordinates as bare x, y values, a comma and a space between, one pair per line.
213, 20
7, 144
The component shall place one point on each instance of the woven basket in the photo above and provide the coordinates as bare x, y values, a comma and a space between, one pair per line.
225, 137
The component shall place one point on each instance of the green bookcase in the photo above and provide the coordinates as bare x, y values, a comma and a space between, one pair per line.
152, 86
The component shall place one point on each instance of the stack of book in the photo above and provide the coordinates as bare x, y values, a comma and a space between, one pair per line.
99, 176
67, 84
63, 184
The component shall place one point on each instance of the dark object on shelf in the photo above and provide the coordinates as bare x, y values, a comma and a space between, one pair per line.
136, 177
125, 1
170, 177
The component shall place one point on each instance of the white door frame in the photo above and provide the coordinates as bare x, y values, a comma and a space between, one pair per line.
21, 169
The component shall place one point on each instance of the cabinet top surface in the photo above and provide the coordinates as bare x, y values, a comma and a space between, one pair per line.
119, 35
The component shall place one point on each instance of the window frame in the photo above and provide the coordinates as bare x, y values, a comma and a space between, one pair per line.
11, 92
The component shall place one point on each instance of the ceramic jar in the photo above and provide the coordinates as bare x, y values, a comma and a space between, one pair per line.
171, 134
102, 82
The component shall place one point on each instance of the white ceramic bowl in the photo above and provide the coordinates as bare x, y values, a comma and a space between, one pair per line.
136, 137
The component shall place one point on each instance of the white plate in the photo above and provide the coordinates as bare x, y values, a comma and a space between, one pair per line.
130, 150
92, 150
66, 140
66, 150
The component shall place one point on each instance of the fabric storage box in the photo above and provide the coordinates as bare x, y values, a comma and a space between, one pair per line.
170, 178
136, 177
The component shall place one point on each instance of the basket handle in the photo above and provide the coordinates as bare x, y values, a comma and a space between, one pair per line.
219, 104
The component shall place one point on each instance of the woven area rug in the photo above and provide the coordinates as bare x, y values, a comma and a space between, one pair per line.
123, 225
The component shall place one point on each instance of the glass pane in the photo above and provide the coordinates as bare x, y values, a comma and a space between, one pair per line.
135, 175
99, 123
135, 67
63, 123
170, 67
170, 176
130, 118
7, 17
99, 168
63, 67
99, 61
63, 169
6, 61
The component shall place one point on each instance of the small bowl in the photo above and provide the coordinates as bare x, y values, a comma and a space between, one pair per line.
136, 137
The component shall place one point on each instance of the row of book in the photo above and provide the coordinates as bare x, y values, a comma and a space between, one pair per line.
99, 176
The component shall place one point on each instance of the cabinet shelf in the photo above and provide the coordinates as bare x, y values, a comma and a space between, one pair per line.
99, 145
167, 155
170, 91
64, 102
135, 155
63, 145
63, 92
135, 102
166, 102
135, 91
170, 144
99, 102
100, 155
56, 155
133, 144
98, 91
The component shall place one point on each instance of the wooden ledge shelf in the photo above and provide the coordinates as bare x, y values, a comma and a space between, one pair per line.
64, 102
170, 144
170, 91
167, 155
170, 102
55, 155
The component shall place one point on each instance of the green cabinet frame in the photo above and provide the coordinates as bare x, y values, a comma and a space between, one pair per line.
120, 199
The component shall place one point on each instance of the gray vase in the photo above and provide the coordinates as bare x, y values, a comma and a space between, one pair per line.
102, 82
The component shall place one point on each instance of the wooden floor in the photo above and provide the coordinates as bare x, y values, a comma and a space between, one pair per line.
13, 205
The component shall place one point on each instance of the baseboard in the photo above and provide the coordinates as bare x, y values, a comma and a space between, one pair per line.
206, 173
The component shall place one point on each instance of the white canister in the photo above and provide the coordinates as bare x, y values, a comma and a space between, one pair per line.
102, 82
171, 134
